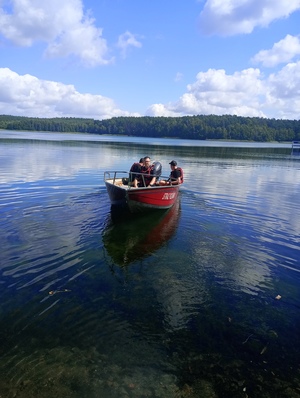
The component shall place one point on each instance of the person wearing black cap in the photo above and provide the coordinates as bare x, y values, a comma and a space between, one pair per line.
176, 175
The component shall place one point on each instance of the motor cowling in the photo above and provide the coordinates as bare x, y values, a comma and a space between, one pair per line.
156, 169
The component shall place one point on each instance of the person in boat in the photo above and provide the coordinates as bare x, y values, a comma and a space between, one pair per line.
135, 168
148, 176
176, 175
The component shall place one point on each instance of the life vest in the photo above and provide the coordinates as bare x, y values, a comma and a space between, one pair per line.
181, 177
147, 174
153, 170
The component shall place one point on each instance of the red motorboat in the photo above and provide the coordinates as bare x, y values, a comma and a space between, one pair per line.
138, 199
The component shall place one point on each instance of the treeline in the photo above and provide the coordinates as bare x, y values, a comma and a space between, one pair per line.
199, 127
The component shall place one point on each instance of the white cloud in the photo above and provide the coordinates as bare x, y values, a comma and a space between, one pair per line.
214, 92
61, 24
284, 91
230, 17
245, 93
127, 40
283, 51
163, 110
28, 96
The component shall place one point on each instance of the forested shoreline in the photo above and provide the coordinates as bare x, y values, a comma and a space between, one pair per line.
200, 127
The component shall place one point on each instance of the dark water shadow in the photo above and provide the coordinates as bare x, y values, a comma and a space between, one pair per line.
128, 237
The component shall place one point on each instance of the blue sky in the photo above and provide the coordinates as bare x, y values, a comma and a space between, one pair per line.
106, 58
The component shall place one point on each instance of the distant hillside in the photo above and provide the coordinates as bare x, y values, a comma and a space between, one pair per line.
199, 127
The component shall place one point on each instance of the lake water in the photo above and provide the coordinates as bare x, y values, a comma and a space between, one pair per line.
199, 301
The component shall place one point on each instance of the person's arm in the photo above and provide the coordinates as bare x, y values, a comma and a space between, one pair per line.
174, 181
152, 182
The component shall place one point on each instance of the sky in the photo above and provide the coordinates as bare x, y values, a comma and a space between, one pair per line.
108, 58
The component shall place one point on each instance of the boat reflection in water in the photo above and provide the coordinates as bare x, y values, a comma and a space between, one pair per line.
128, 238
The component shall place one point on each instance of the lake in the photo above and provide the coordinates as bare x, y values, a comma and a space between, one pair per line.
199, 301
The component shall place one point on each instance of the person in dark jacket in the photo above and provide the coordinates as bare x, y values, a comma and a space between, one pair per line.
176, 175
136, 168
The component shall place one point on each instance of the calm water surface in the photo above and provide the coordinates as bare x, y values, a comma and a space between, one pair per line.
200, 301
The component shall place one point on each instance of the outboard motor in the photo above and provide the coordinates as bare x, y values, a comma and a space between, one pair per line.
156, 169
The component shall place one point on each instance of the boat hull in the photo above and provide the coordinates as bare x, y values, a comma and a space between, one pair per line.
140, 199
151, 198
116, 193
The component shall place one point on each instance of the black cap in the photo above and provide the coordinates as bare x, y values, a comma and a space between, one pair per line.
173, 163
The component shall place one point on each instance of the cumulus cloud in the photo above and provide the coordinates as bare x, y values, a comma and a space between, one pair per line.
283, 51
284, 91
61, 24
127, 40
214, 92
230, 17
245, 93
28, 96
